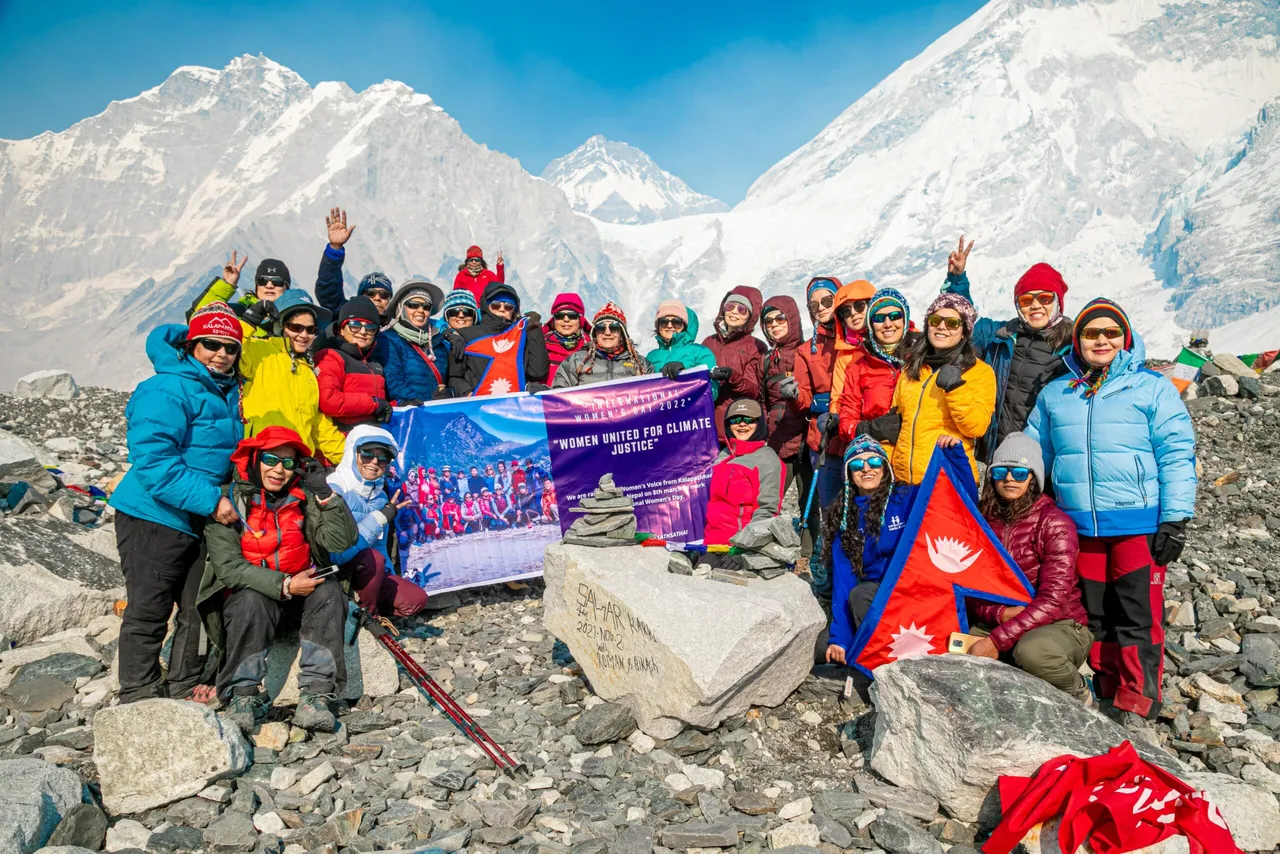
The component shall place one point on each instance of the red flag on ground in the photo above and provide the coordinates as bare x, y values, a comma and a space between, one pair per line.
947, 555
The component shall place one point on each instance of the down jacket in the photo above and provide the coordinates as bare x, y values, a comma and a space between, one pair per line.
183, 424
468, 370
815, 361
365, 498
741, 352
787, 422
868, 388
351, 383
746, 485
478, 284
683, 348
929, 412
587, 367
1123, 461
1044, 545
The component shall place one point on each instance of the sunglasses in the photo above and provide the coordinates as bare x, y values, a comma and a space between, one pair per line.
378, 293
272, 281
736, 308
301, 329
501, 304
418, 305
362, 326
1112, 332
868, 462
566, 315
858, 306
607, 326
1020, 473
1044, 298
936, 320
381, 457
886, 316
823, 302
273, 460
213, 345
742, 419
776, 318
673, 322
459, 312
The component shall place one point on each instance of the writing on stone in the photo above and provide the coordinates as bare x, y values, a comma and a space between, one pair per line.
604, 622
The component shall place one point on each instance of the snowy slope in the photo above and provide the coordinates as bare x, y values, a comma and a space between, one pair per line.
618, 183
114, 224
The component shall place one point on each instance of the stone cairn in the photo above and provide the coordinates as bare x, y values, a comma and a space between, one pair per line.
608, 518
768, 546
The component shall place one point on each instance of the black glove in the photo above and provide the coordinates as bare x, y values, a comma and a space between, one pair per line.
444, 392
789, 388
313, 475
413, 401
389, 512
720, 373
261, 314
883, 429
829, 423
1168, 542
949, 377
383, 412
671, 370
534, 388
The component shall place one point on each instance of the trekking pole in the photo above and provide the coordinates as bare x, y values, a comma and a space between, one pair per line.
813, 486
440, 698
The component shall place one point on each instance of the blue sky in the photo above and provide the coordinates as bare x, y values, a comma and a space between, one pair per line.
715, 92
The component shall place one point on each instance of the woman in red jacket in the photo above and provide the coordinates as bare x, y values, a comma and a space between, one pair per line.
738, 353
869, 381
1049, 637
746, 479
787, 423
563, 332
352, 389
474, 274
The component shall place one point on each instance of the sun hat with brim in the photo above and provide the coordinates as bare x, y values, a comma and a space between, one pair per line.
420, 287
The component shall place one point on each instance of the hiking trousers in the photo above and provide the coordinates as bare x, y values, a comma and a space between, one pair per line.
380, 592
249, 621
1124, 597
162, 568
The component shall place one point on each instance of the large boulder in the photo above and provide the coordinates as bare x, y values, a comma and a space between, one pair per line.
22, 461
678, 650
49, 581
53, 384
34, 796
157, 751
1252, 813
949, 725
370, 669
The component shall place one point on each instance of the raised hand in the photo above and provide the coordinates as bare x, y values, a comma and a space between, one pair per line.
499, 256
339, 233
959, 257
231, 270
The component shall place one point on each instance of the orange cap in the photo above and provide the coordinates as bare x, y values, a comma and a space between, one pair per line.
857, 289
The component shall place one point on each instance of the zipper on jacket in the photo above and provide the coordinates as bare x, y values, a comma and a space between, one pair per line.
1142, 479
275, 518
911, 458
1088, 442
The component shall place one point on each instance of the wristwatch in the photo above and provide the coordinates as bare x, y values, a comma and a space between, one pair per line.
284, 588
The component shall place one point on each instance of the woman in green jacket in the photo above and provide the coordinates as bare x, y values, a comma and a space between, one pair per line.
676, 331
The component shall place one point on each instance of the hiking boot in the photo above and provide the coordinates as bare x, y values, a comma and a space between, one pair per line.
313, 713
246, 711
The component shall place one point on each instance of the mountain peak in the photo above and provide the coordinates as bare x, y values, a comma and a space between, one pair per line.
616, 182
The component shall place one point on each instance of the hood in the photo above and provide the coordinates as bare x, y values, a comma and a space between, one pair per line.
753, 296
272, 437
166, 348
791, 310
402, 293
346, 477
1126, 361
685, 338
492, 290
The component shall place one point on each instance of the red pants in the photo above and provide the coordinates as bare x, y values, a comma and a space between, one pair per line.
380, 592
1124, 595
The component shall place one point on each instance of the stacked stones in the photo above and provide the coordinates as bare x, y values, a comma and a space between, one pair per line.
768, 546
608, 518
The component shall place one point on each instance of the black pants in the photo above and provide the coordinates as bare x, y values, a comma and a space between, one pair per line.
162, 567
860, 599
249, 622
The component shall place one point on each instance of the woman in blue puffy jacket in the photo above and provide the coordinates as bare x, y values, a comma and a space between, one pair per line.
414, 354
183, 425
1120, 448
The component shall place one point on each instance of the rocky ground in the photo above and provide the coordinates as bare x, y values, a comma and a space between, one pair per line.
398, 776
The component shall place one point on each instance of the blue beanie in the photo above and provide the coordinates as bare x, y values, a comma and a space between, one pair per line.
861, 444
461, 298
821, 284
373, 280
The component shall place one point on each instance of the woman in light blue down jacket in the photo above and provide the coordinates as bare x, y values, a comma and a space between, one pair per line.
1120, 449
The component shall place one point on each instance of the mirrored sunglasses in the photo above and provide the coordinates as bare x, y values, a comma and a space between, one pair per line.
936, 320
1044, 298
1020, 473
886, 316
213, 345
272, 460
1093, 334
872, 462
497, 304
742, 419
736, 308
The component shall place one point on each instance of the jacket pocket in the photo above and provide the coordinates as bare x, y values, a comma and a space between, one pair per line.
1142, 478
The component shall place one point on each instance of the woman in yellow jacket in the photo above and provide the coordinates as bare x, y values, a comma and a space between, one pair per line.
945, 390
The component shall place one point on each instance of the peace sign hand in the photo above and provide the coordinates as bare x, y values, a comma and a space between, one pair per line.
339, 233
499, 256
957, 260
231, 270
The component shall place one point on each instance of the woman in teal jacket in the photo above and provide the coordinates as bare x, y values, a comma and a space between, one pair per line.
1121, 449
183, 424
676, 331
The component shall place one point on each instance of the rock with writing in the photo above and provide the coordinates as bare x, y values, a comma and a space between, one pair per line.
676, 650
607, 518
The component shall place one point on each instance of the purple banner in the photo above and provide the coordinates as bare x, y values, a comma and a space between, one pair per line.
657, 437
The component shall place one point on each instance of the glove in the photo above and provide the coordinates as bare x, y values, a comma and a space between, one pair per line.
444, 392
261, 314
721, 373
383, 412
313, 475
411, 402
949, 378
534, 388
883, 429
821, 403
828, 423
671, 370
1168, 541
788, 388
389, 512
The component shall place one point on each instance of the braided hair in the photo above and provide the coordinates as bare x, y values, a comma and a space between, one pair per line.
853, 534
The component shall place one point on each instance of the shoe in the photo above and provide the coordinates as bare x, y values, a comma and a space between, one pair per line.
246, 711
313, 713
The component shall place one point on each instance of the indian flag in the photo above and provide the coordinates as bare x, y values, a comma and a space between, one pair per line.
1186, 368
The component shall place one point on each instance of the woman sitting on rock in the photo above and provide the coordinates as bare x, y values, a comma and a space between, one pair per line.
1049, 637
271, 559
746, 479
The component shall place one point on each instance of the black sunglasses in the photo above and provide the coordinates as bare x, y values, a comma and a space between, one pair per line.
823, 302
370, 456
213, 345
673, 322
566, 315
458, 312
272, 280
301, 328
379, 293
858, 305
607, 326
418, 305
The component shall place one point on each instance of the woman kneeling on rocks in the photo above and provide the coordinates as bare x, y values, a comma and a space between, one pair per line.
288, 520
1049, 637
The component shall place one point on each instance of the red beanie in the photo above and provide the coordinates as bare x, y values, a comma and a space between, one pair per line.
1042, 277
474, 252
215, 320
611, 311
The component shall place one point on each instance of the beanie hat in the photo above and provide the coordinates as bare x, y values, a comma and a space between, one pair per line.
461, 298
889, 298
1101, 307
612, 311
270, 268
1020, 450
673, 308
954, 301
359, 308
474, 252
862, 444
568, 302
822, 283
374, 280
1042, 277
739, 299
215, 320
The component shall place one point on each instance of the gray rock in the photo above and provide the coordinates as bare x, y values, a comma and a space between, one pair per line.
1263, 652
1250, 387
636, 839
84, 826
195, 812
66, 849
176, 838
21, 460
507, 813
455, 780
37, 695
754, 535
675, 650
65, 667
721, 834
832, 831
371, 670
1232, 366
450, 841
909, 801
949, 725
34, 798
1220, 386
897, 834
679, 564
159, 751
52, 384
784, 531
1251, 813
604, 723
232, 832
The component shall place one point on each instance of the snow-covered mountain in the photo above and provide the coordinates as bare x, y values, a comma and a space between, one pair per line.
618, 183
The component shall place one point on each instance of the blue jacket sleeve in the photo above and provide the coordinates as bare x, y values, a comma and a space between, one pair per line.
1174, 441
842, 582
157, 428
1040, 430
985, 329
329, 280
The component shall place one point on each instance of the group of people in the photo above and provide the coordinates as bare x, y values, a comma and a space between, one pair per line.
262, 483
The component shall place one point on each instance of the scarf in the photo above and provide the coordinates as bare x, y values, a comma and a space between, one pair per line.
1091, 381
568, 342
414, 335
885, 352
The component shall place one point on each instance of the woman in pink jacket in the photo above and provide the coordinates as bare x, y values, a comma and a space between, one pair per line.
746, 479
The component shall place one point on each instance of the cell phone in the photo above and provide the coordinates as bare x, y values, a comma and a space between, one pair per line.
327, 571
959, 642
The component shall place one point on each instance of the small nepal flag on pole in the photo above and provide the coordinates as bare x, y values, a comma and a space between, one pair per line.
946, 556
